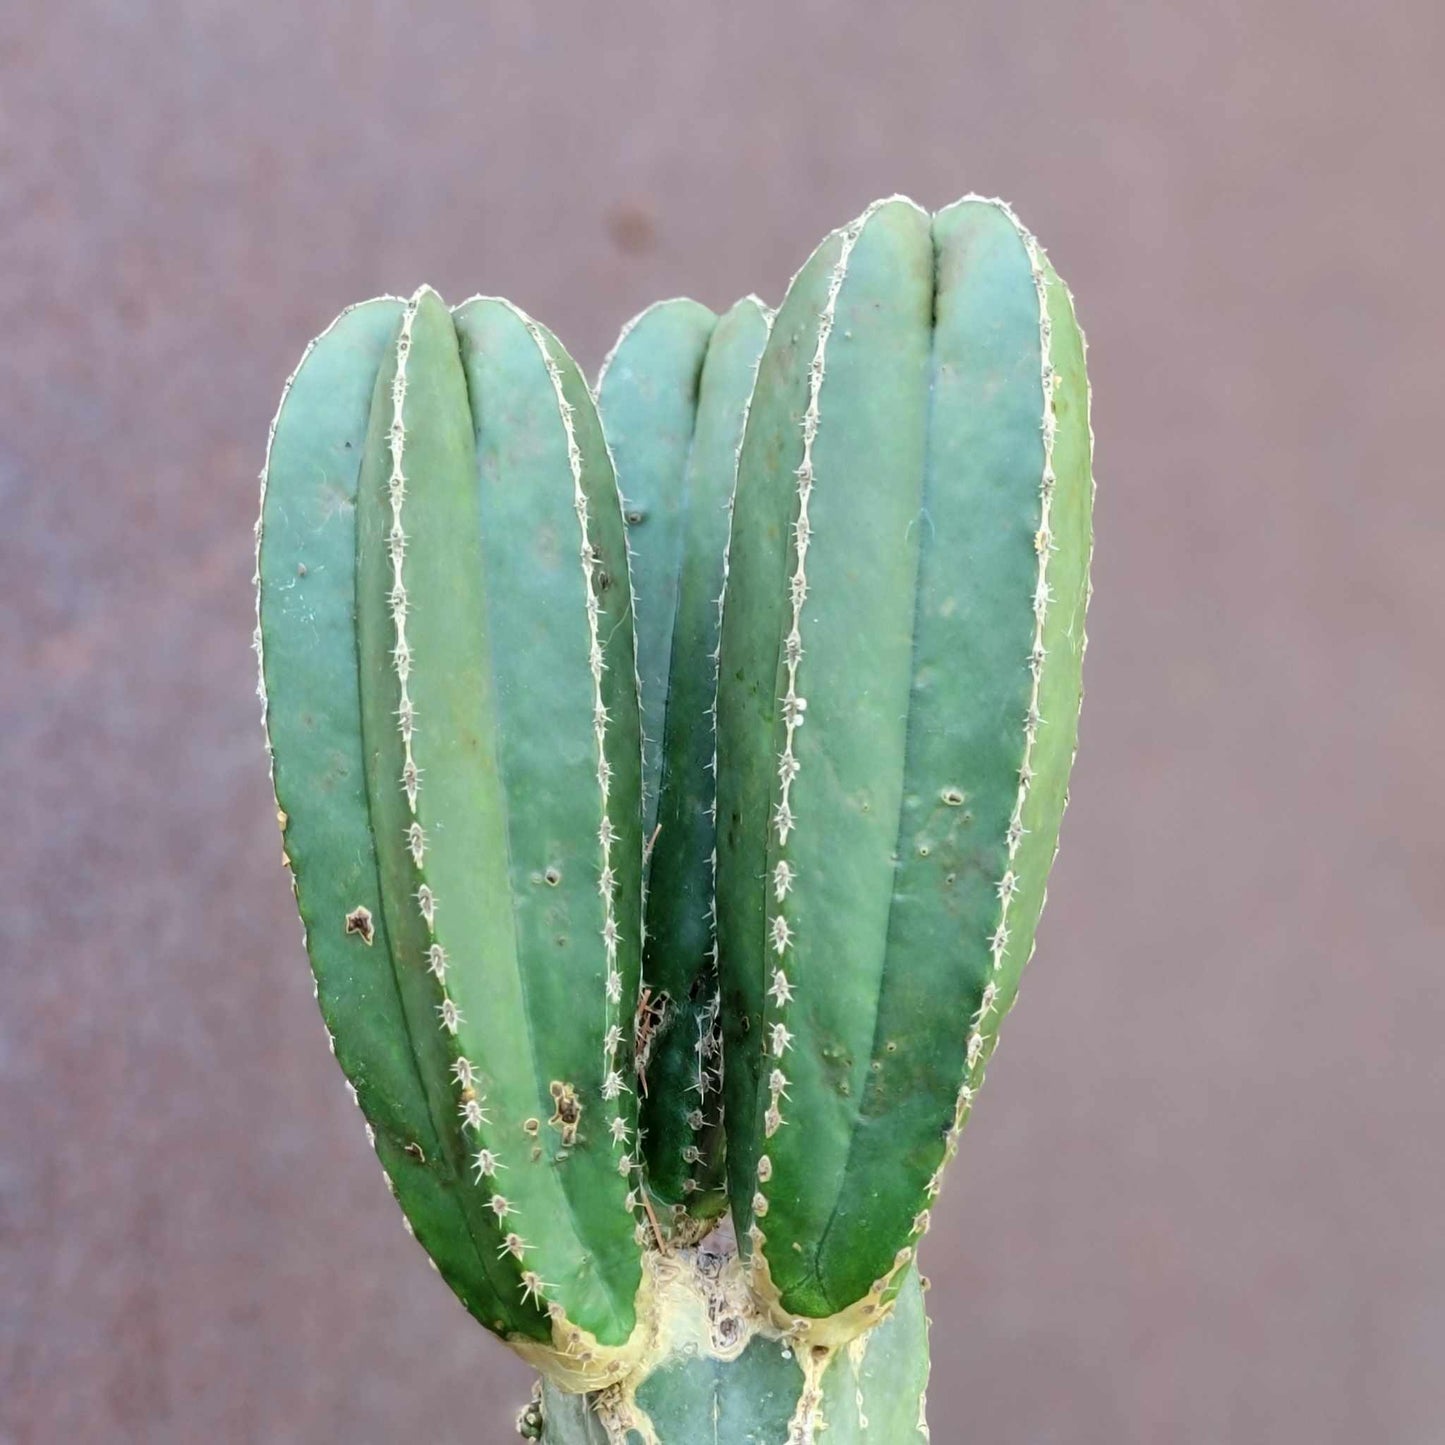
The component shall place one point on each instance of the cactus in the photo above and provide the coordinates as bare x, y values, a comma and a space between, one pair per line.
664, 1010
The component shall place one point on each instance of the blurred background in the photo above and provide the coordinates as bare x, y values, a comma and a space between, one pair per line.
1203, 1198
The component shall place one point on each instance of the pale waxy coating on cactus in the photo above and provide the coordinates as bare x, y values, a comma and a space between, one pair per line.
859, 550
673, 396
899, 696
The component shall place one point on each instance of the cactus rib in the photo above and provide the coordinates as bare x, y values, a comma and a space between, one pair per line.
550, 599
647, 395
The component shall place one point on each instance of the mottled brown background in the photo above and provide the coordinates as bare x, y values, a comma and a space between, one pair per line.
1203, 1198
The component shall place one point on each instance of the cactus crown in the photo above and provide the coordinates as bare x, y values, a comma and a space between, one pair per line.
669, 777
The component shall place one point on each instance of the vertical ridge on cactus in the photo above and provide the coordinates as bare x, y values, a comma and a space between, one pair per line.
414, 484
673, 396
844, 601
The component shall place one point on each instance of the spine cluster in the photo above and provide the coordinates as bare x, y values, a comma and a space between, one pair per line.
707, 1082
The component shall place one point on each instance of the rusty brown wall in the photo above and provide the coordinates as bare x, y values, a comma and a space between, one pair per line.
1203, 1198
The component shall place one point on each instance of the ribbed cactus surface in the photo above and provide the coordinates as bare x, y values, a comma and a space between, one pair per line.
669, 781
901, 662
673, 396
445, 621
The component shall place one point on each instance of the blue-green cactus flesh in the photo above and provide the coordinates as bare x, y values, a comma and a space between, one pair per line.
376, 1014
758, 1389
448, 532
899, 695
673, 398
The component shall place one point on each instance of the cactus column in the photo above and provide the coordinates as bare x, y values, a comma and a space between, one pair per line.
900, 688
454, 726
673, 396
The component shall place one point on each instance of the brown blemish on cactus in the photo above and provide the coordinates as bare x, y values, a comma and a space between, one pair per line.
359, 922
568, 1112
531, 1126
416, 1152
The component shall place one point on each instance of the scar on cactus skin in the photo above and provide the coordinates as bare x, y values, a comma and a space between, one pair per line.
568, 1112
358, 921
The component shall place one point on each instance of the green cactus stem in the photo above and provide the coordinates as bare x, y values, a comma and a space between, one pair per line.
844, 601
899, 695
673, 396
732, 1379
444, 481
